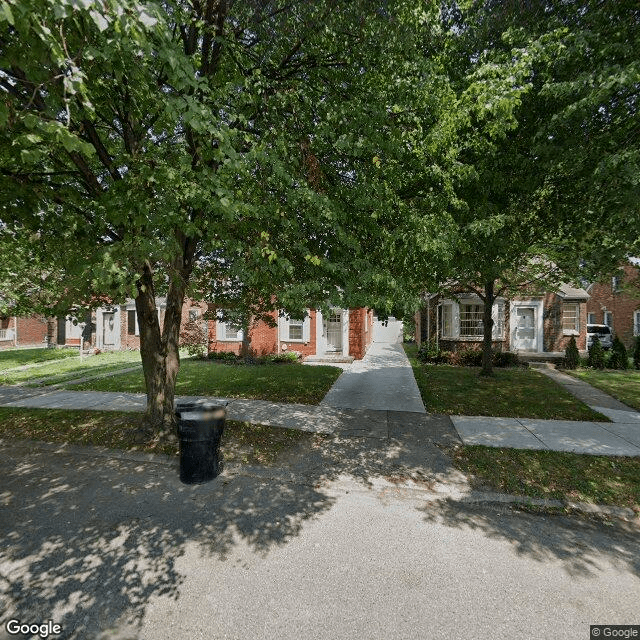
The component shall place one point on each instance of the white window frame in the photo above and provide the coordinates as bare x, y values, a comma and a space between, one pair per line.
636, 322
475, 319
498, 316
608, 316
447, 320
575, 329
591, 318
195, 312
222, 330
286, 323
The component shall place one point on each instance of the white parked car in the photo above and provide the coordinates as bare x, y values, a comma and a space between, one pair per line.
602, 332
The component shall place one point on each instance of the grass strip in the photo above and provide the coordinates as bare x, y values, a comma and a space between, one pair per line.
622, 385
75, 366
552, 474
275, 382
510, 392
11, 358
242, 442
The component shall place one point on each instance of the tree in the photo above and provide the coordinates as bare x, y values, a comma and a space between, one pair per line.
542, 166
144, 145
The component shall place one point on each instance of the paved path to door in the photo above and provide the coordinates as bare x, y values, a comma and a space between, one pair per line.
382, 381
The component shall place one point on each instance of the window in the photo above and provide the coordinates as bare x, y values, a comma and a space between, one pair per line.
132, 323
194, 314
471, 325
570, 318
295, 329
498, 320
636, 322
229, 331
608, 319
446, 321
591, 318
615, 283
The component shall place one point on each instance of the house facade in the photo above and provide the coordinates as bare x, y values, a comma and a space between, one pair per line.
341, 333
534, 324
16, 331
617, 304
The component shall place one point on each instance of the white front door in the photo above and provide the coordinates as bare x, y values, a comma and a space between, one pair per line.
525, 329
108, 330
333, 330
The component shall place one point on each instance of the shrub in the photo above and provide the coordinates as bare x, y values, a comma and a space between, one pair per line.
636, 353
227, 356
619, 358
470, 357
505, 359
430, 352
287, 356
596, 354
571, 354
193, 338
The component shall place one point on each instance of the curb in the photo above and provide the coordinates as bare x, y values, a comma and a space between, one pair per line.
451, 492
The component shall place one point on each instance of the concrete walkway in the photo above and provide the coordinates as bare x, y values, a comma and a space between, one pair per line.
619, 437
382, 381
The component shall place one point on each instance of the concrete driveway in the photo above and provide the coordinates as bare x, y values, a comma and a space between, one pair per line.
383, 380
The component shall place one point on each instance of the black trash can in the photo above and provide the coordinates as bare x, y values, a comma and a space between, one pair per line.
200, 428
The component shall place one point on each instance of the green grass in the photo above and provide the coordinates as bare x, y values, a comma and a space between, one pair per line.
623, 385
275, 382
242, 442
511, 392
51, 372
553, 475
10, 358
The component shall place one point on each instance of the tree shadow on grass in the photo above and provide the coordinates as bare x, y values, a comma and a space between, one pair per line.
89, 541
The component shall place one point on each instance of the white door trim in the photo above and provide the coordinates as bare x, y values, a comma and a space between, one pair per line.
538, 319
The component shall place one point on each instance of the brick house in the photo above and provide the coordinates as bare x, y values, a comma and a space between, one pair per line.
614, 303
343, 333
116, 327
533, 324
16, 331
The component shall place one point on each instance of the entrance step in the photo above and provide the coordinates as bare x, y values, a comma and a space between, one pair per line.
329, 359
533, 364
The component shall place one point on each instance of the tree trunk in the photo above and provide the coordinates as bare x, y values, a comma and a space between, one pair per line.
487, 339
247, 324
159, 350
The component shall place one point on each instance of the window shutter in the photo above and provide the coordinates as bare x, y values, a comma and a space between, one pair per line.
455, 316
283, 328
306, 329
219, 329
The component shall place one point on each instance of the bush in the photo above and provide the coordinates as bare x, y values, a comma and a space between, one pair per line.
619, 358
287, 356
571, 355
193, 338
430, 352
596, 354
636, 353
505, 359
469, 357
227, 356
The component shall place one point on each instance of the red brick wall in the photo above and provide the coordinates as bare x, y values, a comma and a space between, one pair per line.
264, 339
554, 338
360, 331
621, 304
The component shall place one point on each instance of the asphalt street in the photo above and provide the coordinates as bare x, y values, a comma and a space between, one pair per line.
334, 544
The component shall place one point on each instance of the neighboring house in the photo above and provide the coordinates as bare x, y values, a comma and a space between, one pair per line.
16, 331
116, 327
614, 303
343, 333
523, 324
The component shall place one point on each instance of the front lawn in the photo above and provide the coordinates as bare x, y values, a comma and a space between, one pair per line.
552, 474
511, 392
275, 382
623, 385
11, 358
71, 368
242, 442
